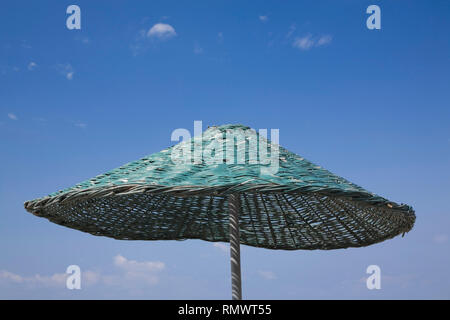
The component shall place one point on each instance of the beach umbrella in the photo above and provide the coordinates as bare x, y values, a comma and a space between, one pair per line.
229, 184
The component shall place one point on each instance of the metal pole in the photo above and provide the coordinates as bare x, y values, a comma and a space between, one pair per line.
235, 254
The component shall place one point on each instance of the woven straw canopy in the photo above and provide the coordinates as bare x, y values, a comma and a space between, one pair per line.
301, 206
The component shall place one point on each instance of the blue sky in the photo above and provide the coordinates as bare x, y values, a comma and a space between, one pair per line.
369, 105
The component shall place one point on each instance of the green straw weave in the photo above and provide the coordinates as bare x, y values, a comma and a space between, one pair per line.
302, 206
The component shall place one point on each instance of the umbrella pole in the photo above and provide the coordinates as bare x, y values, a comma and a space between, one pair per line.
235, 254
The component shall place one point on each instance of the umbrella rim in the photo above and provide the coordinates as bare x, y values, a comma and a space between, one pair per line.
384, 207
363, 198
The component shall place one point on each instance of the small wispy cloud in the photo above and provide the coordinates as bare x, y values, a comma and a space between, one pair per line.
440, 238
303, 43
324, 40
139, 44
220, 37
66, 70
291, 30
25, 45
268, 275
221, 246
32, 65
83, 40
307, 42
81, 125
198, 49
12, 116
40, 119
162, 31
6, 69
263, 18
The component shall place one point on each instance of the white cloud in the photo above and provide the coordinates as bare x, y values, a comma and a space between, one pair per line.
307, 42
66, 70
84, 40
142, 271
133, 265
264, 18
303, 43
440, 238
40, 119
291, 31
81, 125
398, 281
161, 31
6, 69
323, 40
12, 116
25, 44
222, 246
57, 279
268, 275
90, 277
6, 275
139, 46
134, 273
198, 49
32, 65
220, 37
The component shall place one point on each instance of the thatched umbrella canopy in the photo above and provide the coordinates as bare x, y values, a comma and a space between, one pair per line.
171, 195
